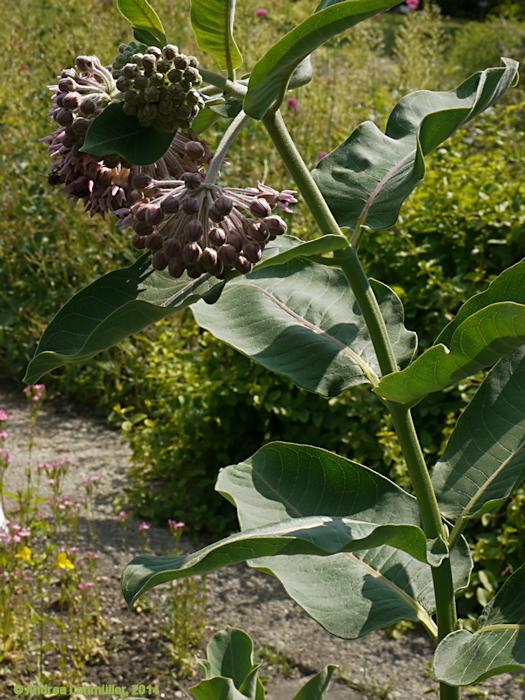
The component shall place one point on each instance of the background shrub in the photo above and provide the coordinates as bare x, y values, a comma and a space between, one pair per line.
189, 404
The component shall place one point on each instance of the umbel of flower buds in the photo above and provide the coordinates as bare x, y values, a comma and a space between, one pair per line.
159, 87
198, 228
81, 94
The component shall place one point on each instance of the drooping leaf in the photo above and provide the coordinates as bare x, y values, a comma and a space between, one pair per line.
271, 75
114, 132
508, 286
479, 342
280, 314
485, 456
146, 24
317, 686
351, 594
217, 689
315, 535
498, 645
112, 308
212, 22
366, 179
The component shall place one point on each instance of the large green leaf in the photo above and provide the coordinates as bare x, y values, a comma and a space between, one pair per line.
115, 132
281, 314
497, 646
368, 177
348, 594
485, 456
112, 308
146, 24
212, 22
508, 286
124, 302
315, 535
271, 75
479, 342
317, 686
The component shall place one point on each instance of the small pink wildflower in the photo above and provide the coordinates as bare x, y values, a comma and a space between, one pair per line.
322, 154
122, 516
4, 415
293, 103
413, 4
35, 392
85, 586
89, 554
91, 479
261, 12
143, 526
5, 458
175, 524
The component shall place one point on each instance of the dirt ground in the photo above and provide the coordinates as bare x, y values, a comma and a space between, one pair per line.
376, 667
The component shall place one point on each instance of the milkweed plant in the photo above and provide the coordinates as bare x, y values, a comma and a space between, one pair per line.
353, 549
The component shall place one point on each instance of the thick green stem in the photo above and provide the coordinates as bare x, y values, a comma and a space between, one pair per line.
229, 87
402, 419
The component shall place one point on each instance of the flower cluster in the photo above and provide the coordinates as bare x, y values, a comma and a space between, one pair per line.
195, 227
159, 88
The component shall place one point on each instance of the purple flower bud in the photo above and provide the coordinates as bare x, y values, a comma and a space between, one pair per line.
139, 242
172, 248
258, 231
191, 253
223, 205
235, 239
176, 267
159, 261
195, 150
217, 236
190, 205
123, 83
67, 85
80, 126
84, 63
192, 180
228, 255
209, 259
276, 224
88, 106
215, 215
193, 230
154, 241
243, 266
260, 208
154, 214
64, 117
170, 51
170, 204
70, 100
252, 252
154, 51
141, 228
130, 70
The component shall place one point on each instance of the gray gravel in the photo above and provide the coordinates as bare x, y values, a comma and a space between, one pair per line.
374, 667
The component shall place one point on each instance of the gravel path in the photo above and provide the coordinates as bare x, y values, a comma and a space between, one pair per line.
375, 667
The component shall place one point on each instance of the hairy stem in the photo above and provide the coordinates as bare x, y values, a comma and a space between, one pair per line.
234, 88
224, 146
402, 419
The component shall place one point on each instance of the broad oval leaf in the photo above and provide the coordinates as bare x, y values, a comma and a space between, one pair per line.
112, 308
350, 594
281, 314
315, 535
229, 654
212, 22
508, 286
484, 459
115, 132
479, 342
146, 24
316, 687
271, 75
498, 645
366, 179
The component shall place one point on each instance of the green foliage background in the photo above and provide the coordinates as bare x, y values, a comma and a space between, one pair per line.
189, 404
